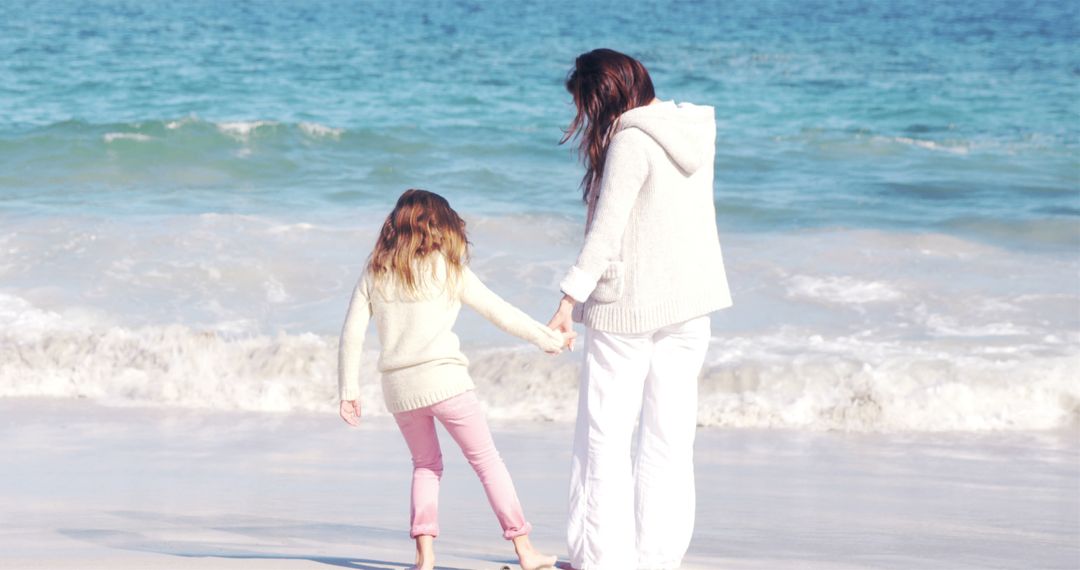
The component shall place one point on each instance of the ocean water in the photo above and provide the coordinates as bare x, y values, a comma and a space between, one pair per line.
188, 192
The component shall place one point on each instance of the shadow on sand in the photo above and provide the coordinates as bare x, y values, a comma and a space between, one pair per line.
284, 532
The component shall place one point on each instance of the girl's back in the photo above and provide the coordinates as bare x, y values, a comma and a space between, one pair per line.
415, 329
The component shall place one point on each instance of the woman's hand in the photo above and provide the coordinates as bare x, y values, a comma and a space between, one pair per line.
350, 412
563, 320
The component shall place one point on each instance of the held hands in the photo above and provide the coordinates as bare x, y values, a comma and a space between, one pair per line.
350, 412
563, 321
568, 341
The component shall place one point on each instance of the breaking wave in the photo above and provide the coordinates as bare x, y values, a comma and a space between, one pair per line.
785, 380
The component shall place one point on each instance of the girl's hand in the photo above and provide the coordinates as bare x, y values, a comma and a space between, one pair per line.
563, 320
568, 339
350, 412
553, 341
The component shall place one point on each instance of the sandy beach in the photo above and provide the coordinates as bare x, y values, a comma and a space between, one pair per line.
87, 486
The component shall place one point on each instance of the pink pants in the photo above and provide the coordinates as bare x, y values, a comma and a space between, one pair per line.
464, 420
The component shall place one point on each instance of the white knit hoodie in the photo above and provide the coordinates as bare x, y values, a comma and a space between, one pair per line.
652, 255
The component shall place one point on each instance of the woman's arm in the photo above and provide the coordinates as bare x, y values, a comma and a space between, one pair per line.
506, 316
352, 342
563, 320
625, 170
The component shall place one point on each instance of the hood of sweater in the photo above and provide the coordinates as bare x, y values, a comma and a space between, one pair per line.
685, 131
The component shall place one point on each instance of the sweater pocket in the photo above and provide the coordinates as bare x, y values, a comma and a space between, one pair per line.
610, 286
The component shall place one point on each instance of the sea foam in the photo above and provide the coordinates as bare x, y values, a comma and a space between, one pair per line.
851, 330
841, 289
242, 130
316, 130
952, 148
137, 137
789, 379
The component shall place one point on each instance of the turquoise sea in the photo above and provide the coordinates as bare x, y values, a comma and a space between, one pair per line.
189, 189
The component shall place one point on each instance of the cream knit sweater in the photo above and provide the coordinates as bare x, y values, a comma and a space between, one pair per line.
421, 361
652, 255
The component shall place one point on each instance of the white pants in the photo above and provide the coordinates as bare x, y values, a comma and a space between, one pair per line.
636, 512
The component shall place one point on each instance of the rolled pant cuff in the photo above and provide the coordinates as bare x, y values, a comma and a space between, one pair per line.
512, 533
424, 530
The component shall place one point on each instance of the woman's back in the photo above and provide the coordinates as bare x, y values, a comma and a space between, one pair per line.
655, 246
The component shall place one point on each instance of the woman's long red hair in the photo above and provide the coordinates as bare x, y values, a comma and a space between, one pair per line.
605, 84
421, 224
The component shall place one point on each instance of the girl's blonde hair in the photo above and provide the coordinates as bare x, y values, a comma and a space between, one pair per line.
421, 225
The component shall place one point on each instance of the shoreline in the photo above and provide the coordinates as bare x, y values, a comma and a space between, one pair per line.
168, 488
851, 329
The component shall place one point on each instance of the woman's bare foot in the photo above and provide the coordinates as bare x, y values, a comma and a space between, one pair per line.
529, 558
425, 553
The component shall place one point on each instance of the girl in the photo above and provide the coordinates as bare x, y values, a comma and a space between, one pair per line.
647, 277
414, 285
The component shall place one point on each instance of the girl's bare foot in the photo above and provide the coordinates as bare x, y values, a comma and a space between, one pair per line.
529, 558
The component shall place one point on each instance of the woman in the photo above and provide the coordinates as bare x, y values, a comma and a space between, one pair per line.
648, 275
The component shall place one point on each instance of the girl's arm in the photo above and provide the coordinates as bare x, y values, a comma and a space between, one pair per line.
506, 316
625, 170
352, 341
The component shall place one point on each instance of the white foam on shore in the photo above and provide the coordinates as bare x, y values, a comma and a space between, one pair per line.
23, 321
860, 330
787, 380
841, 289
792, 380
